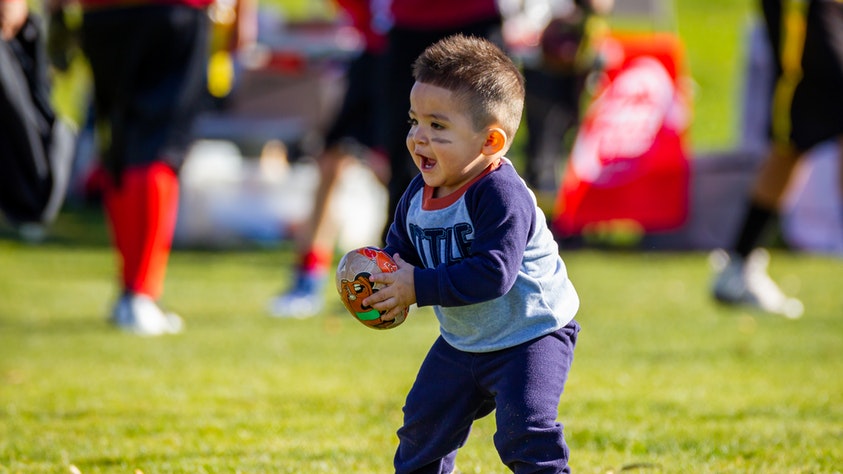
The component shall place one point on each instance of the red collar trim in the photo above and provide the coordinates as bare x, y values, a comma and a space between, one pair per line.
430, 203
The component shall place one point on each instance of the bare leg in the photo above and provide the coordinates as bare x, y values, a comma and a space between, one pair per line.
774, 176
316, 245
322, 233
742, 277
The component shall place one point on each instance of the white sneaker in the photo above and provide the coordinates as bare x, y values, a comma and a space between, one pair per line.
304, 300
295, 305
139, 314
746, 282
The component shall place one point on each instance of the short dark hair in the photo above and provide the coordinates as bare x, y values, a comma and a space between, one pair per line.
480, 74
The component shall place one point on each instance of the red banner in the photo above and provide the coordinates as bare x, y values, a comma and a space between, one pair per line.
629, 162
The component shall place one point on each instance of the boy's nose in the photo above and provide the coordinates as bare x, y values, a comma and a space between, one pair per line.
418, 135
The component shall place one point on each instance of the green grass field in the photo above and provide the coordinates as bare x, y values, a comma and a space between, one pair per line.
664, 380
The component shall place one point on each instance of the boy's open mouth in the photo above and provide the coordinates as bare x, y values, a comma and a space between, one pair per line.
427, 163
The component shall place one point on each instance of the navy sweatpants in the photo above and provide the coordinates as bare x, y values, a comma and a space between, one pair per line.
453, 388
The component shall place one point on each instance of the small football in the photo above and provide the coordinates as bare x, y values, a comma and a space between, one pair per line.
353, 285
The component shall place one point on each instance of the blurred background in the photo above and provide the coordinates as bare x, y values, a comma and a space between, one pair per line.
250, 175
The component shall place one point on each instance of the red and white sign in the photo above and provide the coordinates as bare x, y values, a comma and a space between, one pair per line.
629, 160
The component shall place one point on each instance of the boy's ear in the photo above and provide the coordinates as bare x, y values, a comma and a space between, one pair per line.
495, 141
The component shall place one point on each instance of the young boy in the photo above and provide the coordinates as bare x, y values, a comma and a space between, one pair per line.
470, 241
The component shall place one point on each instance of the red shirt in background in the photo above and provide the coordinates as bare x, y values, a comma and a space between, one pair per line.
441, 14
97, 4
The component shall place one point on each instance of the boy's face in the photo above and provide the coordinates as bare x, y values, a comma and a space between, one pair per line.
442, 140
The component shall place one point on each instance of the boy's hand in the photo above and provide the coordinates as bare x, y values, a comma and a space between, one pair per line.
399, 293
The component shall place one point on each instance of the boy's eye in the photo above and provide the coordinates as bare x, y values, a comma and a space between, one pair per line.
413, 122
437, 126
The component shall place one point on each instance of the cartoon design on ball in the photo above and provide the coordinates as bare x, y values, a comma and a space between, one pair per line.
356, 291
353, 285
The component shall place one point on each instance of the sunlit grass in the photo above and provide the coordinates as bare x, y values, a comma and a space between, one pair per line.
664, 380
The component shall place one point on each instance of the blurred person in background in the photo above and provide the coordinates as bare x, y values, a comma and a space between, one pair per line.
415, 25
563, 34
148, 60
349, 138
398, 31
807, 109
36, 145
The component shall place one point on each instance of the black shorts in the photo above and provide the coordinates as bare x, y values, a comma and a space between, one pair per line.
816, 112
149, 67
355, 119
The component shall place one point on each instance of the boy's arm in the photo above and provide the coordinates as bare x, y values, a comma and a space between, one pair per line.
397, 239
503, 218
